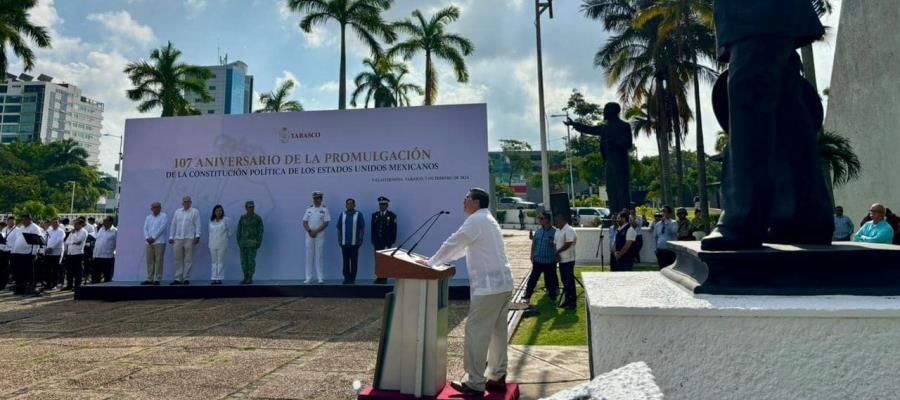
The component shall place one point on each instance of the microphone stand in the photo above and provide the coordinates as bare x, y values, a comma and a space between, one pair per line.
416, 231
409, 252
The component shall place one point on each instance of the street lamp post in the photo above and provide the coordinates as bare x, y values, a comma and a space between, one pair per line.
72, 204
118, 167
568, 153
539, 8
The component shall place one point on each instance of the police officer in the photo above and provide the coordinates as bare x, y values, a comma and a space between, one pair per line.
384, 229
315, 220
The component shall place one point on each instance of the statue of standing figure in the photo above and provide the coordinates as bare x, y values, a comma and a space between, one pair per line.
615, 143
773, 185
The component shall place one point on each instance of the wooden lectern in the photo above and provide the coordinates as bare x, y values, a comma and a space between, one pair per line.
412, 352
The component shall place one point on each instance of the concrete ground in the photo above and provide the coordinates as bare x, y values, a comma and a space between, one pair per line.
278, 348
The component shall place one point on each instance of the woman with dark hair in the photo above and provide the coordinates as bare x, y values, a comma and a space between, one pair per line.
219, 231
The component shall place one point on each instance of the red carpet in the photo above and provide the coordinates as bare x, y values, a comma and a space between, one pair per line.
370, 393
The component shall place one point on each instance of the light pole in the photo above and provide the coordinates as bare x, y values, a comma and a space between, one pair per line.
568, 153
539, 8
72, 204
118, 166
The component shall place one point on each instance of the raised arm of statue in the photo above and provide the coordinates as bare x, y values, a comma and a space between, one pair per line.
586, 129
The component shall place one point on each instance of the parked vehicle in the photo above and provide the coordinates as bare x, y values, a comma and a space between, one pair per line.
515, 203
588, 216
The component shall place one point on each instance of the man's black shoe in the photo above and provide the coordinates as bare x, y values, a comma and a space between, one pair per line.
145, 283
498, 385
155, 283
175, 283
186, 282
464, 389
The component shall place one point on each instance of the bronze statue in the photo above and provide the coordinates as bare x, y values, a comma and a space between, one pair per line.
773, 186
615, 143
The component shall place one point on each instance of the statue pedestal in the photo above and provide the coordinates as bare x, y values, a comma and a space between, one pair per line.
743, 347
842, 268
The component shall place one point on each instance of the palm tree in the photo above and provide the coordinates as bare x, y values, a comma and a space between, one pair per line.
277, 101
164, 82
430, 38
690, 24
635, 59
362, 16
15, 29
383, 83
401, 89
838, 156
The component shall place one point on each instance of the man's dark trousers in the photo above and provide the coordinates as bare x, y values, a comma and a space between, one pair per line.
380, 246
103, 270
4, 269
567, 274
74, 270
351, 260
23, 272
772, 146
551, 282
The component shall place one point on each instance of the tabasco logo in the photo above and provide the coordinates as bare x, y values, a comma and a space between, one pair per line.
287, 135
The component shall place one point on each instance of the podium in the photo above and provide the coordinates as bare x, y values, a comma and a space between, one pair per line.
412, 352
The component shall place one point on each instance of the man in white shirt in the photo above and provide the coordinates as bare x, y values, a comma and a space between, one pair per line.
5, 248
665, 229
91, 227
53, 253
564, 239
22, 257
155, 226
490, 281
315, 220
184, 233
74, 259
104, 252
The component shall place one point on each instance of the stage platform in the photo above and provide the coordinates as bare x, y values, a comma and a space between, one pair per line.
122, 291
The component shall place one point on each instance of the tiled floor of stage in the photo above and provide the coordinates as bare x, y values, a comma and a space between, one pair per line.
285, 348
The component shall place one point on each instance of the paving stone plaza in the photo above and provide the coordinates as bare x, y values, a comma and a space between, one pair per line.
54, 347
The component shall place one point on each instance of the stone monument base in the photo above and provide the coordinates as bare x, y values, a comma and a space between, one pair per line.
744, 347
778, 269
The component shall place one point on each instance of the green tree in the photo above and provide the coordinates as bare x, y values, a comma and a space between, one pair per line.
839, 159
45, 172
36, 209
164, 82
363, 17
16, 30
558, 180
277, 101
503, 190
590, 168
431, 38
383, 83
518, 156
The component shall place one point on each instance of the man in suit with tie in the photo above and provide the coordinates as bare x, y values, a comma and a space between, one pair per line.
384, 229
773, 186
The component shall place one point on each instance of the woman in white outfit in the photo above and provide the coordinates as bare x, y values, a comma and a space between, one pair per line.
219, 232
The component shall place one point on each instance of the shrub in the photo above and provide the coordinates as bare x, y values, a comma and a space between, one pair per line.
501, 216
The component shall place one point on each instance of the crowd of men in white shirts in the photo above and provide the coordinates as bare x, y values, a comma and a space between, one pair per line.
56, 253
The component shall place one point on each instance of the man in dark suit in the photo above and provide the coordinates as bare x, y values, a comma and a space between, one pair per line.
773, 187
615, 144
384, 229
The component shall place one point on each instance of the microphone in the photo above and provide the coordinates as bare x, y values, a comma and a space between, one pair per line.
409, 252
417, 231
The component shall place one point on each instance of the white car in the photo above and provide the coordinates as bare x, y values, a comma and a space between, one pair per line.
515, 203
588, 215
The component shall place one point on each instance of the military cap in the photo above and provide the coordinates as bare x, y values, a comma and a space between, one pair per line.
383, 200
249, 203
317, 194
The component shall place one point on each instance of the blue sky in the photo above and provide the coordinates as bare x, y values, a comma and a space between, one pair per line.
94, 39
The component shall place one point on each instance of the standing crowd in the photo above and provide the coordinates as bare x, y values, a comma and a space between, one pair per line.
36, 258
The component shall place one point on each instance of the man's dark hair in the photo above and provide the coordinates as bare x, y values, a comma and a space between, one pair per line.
479, 194
11, 217
667, 209
91, 219
349, 200
65, 221
562, 217
545, 215
624, 216
26, 216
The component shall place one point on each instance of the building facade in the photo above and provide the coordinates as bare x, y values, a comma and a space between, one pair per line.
231, 89
33, 110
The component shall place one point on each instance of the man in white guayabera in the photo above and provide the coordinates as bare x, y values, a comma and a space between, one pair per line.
184, 234
491, 285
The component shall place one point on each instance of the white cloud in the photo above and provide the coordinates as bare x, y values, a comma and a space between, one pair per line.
195, 6
287, 76
329, 87
120, 24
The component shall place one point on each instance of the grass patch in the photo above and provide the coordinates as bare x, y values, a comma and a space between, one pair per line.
555, 326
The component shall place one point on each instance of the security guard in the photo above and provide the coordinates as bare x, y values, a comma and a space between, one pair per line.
315, 220
384, 229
